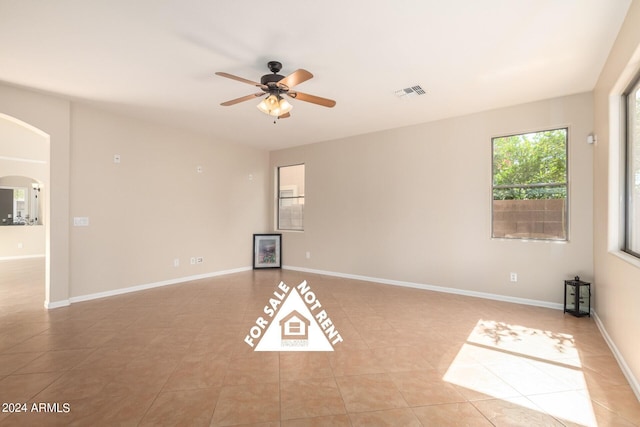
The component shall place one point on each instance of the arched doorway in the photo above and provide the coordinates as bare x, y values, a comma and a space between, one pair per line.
24, 181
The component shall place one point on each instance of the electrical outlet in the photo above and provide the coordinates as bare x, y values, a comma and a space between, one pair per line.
199, 260
513, 277
80, 221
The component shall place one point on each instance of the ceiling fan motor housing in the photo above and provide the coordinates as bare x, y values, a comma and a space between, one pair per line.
270, 78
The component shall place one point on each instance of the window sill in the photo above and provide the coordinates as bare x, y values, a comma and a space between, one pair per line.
530, 240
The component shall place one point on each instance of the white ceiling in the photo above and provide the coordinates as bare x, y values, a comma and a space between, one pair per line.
155, 59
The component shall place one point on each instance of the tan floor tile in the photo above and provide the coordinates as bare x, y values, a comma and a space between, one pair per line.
20, 388
212, 343
420, 388
442, 352
515, 412
9, 363
174, 341
252, 368
111, 358
310, 398
56, 361
245, 404
390, 418
591, 344
475, 382
398, 359
76, 384
38, 343
370, 324
304, 365
373, 392
267, 424
144, 374
569, 407
354, 362
198, 371
525, 378
185, 407
603, 370
110, 410
607, 418
618, 399
36, 417
124, 411
384, 338
328, 421
451, 414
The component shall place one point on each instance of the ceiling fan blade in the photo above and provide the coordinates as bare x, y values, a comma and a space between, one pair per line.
325, 102
284, 116
295, 78
239, 100
240, 79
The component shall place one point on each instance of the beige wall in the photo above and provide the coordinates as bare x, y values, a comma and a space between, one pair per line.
145, 212
617, 276
414, 205
49, 116
154, 206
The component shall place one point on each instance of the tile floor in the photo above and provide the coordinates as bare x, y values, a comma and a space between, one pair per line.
176, 356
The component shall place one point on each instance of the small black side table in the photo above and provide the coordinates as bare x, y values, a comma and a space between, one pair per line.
577, 297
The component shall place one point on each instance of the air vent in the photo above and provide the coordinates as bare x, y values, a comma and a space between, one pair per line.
410, 92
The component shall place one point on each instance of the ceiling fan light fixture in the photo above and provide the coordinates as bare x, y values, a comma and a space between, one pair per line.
285, 107
274, 105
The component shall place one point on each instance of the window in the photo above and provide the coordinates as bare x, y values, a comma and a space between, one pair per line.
291, 197
530, 185
632, 212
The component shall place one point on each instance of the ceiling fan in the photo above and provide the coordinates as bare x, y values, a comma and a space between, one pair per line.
275, 85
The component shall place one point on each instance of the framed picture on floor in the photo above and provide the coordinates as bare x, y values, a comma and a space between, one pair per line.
267, 251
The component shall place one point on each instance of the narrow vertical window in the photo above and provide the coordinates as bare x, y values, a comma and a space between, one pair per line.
291, 197
632, 211
530, 186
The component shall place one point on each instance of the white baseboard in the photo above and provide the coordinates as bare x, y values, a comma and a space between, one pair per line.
56, 304
88, 297
633, 382
13, 258
464, 292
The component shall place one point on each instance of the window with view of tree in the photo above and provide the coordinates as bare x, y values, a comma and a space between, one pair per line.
291, 197
632, 222
530, 185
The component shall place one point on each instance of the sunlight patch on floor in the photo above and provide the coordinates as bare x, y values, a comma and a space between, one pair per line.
537, 369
